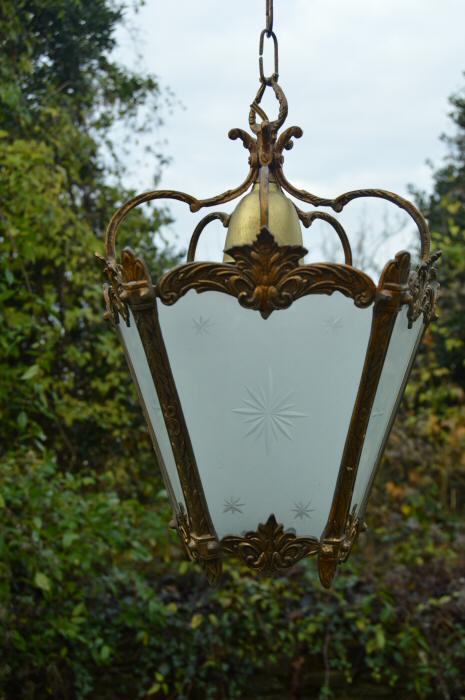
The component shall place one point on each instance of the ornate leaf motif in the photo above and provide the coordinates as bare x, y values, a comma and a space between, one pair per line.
114, 305
270, 549
133, 269
336, 550
396, 272
128, 279
267, 277
203, 550
353, 528
424, 286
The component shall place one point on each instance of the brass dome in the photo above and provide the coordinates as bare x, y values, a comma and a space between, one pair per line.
244, 225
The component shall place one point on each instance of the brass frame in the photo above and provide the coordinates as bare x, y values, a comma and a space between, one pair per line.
267, 277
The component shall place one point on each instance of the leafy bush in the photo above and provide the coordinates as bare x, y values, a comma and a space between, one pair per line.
95, 603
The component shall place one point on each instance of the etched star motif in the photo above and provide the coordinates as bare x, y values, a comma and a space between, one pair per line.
233, 505
333, 323
268, 414
202, 325
302, 510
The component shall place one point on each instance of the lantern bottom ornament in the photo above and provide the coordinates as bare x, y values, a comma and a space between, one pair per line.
269, 385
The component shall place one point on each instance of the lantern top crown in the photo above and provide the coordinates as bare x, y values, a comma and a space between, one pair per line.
266, 145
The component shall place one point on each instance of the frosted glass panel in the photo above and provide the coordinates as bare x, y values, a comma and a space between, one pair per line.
140, 371
258, 397
402, 348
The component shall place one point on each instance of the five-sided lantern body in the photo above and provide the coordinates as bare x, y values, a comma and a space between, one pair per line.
269, 386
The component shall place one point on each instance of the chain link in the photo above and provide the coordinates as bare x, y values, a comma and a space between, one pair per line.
267, 80
269, 34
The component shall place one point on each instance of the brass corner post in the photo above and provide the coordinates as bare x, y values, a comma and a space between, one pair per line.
392, 292
195, 526
134, 287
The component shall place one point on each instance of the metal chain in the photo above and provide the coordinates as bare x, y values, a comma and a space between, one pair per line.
269, 17
269, 34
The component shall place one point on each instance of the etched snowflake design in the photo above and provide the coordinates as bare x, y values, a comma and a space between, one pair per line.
333, 323
269, 414
302, 510
202, 325
233, 505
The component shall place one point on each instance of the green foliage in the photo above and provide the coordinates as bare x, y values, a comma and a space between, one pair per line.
63, 381
75, 557
95, 603
437, 394
96, 598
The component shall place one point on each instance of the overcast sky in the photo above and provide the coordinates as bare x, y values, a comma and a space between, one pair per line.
367, 80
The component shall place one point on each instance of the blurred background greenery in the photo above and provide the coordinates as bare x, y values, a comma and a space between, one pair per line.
96, 597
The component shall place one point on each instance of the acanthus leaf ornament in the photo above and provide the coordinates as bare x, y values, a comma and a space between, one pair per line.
267, 277
129, 279
271, 549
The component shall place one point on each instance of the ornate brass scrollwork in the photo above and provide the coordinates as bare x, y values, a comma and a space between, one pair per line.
204, 550
267, 277
270, 549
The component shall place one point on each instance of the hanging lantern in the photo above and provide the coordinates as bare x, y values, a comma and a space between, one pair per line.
269, 386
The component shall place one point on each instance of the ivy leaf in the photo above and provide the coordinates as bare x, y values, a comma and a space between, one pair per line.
31, 372
154, 689
68, 539
42, 581
196, 621
105, 652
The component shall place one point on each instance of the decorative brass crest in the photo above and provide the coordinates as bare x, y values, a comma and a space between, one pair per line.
270, 550
267, 277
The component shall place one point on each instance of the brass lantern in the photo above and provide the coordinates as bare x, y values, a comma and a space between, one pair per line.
269, 385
